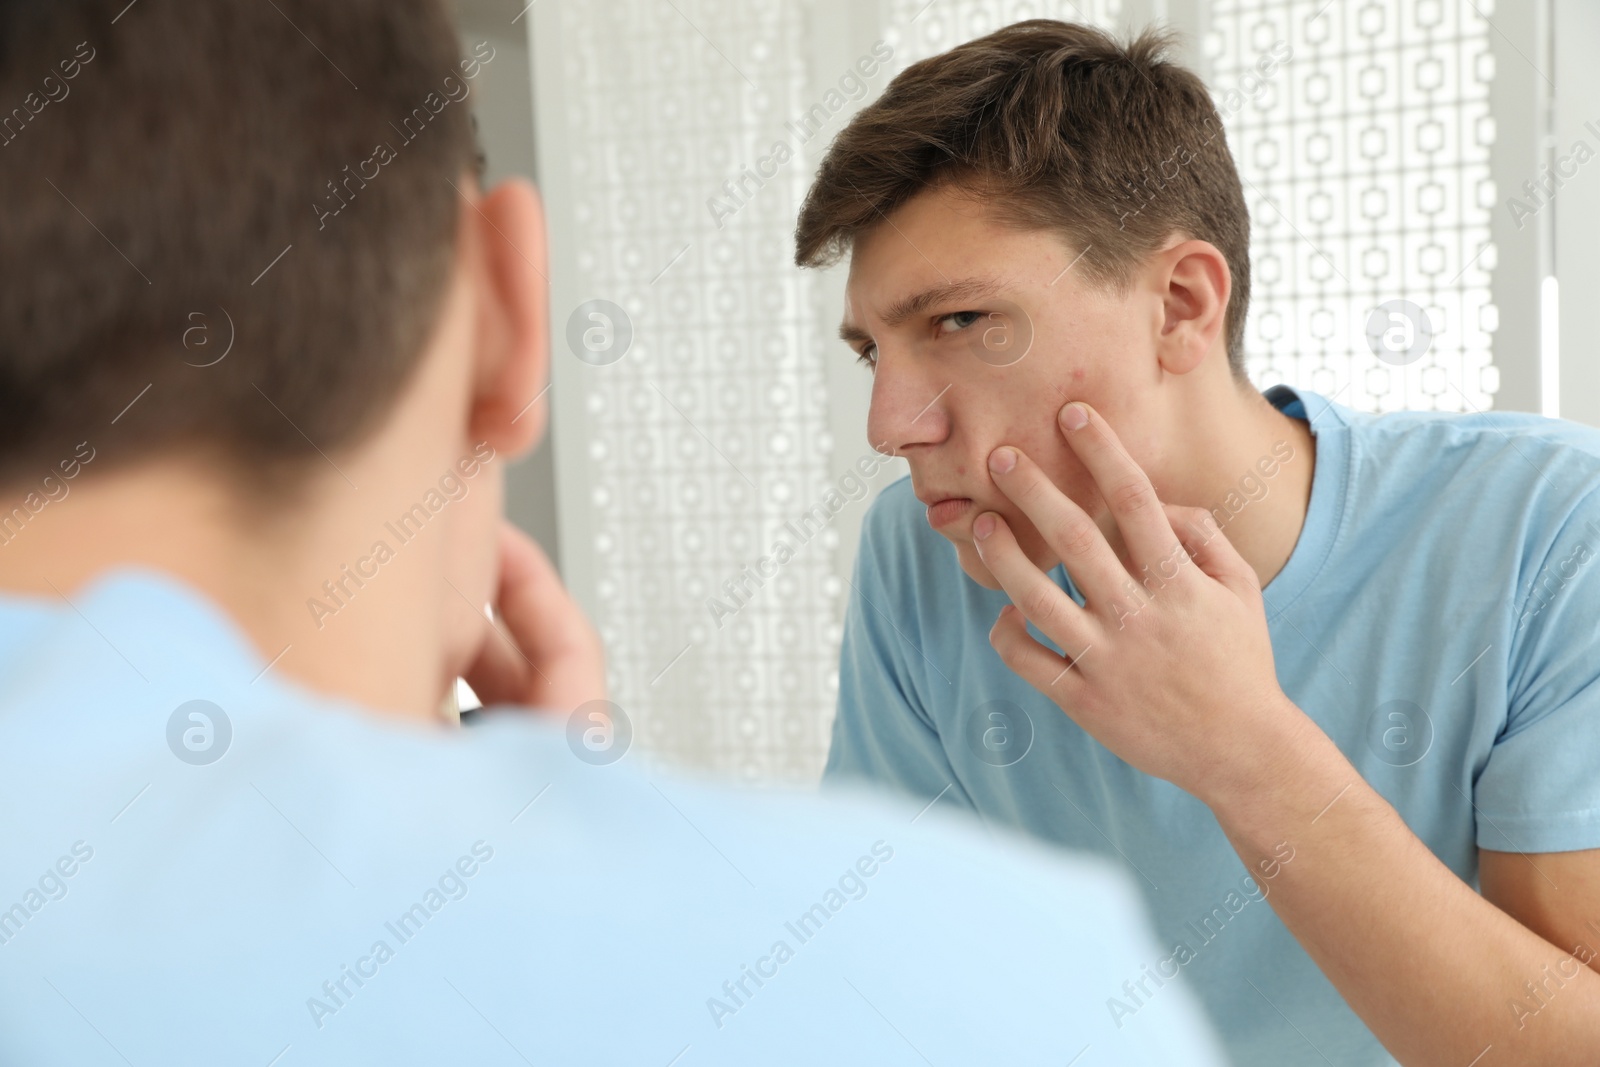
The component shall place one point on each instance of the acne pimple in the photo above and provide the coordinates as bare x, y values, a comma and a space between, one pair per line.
1077, 375
961, 468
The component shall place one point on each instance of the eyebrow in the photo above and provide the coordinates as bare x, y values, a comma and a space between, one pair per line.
918, 303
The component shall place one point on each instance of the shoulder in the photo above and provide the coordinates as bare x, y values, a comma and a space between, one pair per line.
1499, 478
1501, 444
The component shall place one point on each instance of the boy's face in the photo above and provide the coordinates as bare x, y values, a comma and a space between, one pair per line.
981, 332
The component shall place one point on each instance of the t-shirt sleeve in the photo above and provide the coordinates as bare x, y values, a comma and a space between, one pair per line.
881, 732
1539, 790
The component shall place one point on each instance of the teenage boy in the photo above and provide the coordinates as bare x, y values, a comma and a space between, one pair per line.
265, 350
1254, 648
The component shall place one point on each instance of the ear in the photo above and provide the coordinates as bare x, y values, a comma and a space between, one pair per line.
1195, 284
512, 362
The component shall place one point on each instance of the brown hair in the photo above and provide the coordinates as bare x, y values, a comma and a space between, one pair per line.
1058, 127
179, 175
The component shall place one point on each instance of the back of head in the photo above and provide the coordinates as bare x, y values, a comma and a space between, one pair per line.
1054, 126
267, 178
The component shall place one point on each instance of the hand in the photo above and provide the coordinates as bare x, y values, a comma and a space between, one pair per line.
541, 651
1169, 662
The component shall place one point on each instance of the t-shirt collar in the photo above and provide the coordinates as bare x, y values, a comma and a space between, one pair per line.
1329, 424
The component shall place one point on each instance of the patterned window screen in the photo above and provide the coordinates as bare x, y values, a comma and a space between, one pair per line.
709, 433
1365, 162
704, 443
918, 28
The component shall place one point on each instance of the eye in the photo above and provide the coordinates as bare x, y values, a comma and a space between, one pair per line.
868, 354
958, 321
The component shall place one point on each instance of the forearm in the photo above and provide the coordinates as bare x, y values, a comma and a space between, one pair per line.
1434, 969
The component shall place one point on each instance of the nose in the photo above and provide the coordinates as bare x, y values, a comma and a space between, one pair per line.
909, 406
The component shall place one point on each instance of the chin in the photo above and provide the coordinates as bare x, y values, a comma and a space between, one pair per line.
973, 565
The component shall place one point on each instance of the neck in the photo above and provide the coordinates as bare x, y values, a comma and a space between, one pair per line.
1251, 466
263, 567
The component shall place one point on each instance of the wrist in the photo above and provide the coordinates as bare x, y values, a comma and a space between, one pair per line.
1286, 763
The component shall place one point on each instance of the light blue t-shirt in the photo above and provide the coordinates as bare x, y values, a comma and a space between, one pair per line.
276, 878
1438, 619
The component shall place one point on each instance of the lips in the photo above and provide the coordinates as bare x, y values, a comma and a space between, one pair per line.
943, 512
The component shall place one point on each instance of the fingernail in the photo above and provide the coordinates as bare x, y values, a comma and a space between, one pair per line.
1001, 460
1074, 417
983, 526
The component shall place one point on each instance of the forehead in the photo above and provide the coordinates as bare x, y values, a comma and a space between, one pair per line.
936, 232
941, 246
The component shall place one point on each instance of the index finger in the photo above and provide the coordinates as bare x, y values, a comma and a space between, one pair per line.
1123, 484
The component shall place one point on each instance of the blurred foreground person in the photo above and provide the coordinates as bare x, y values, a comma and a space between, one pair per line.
267, 349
